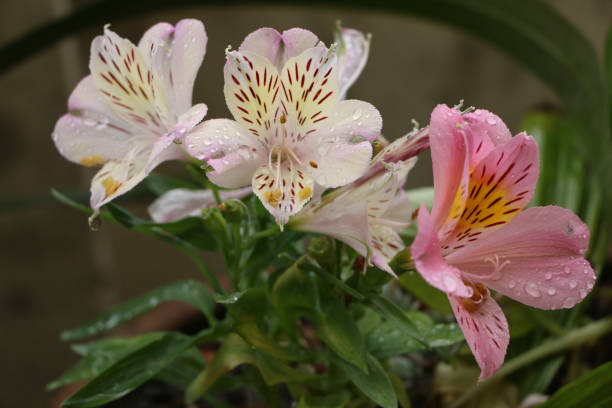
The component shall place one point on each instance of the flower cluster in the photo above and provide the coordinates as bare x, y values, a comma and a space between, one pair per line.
318, 163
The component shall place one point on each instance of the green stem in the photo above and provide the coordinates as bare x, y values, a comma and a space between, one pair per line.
548, 324
571, 339
265, 233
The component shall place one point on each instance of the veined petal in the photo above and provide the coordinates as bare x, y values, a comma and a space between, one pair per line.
337, 164
487, 125
284, 191
486, 332
118, 177
353, 55
129, 84
429, 262
449, 156
91, 140
232, 151
309, 91
400, 210
536, 259
252, 93
500, 186
181, 202
385, 244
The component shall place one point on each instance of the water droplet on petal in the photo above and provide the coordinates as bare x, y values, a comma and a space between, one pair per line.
511, 284
532, 290
548, 275
357, 114
450, 284
551, 291
583, 293
572, 284
589, 285
491, 121
566, 269
569, 302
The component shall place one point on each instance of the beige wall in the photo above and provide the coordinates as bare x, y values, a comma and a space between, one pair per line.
55, 274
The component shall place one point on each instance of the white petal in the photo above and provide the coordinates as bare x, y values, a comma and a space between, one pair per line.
231, 150
353, 55
181, 202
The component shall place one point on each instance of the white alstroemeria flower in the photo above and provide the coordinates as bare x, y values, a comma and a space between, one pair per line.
353, 51
179, 203
290, 129
134, 105
368, 213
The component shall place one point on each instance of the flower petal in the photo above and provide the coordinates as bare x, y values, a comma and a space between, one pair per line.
486, 332
429, 262
91, 140
127, 82
296, 41
284, 191
179, 203
353, 55
450, 168
536, 259
233, 152
118, 177
500, 186
385, 244
252, 93
266, 42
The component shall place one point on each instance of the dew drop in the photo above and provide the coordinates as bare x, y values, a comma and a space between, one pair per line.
589, 285
511, 284
491, 121
572, 284
583, 293
569, 302
449, 283
566, 269
551, 291
532, 290
357, 114
548, 275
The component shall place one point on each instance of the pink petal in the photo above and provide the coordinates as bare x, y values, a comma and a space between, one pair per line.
488, 125
429, 262
298, 40
354, 51
539, 257
232, 151
500, 186
179, 203
265, 42
486, 332
91, 140
188, 52
450, 168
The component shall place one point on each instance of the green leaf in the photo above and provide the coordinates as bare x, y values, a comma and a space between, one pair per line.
427, 294
387, 340
591, 390
337, 399
233, 352
130, 372
400, 390
101, 354
375, 384
420, 195
183, 370
394, 314
191, 292
337, 328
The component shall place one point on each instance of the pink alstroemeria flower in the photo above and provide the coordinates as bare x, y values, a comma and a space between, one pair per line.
126, 115
368, 213
290, 129
477, 237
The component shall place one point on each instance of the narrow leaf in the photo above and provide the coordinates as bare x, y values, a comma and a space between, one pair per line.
375, 384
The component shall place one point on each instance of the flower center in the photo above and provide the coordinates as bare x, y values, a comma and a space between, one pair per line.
480, 294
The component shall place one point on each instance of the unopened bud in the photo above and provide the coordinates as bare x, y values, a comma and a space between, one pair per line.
402, 262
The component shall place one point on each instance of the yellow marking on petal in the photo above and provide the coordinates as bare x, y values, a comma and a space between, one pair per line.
305, 193
92, 161
111, 185
272, 197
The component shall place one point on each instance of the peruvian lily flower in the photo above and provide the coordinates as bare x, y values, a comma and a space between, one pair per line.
179, 203
368, 213
290, 129
134, 110
477, 237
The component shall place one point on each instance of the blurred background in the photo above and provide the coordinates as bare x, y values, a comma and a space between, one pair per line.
56, 274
